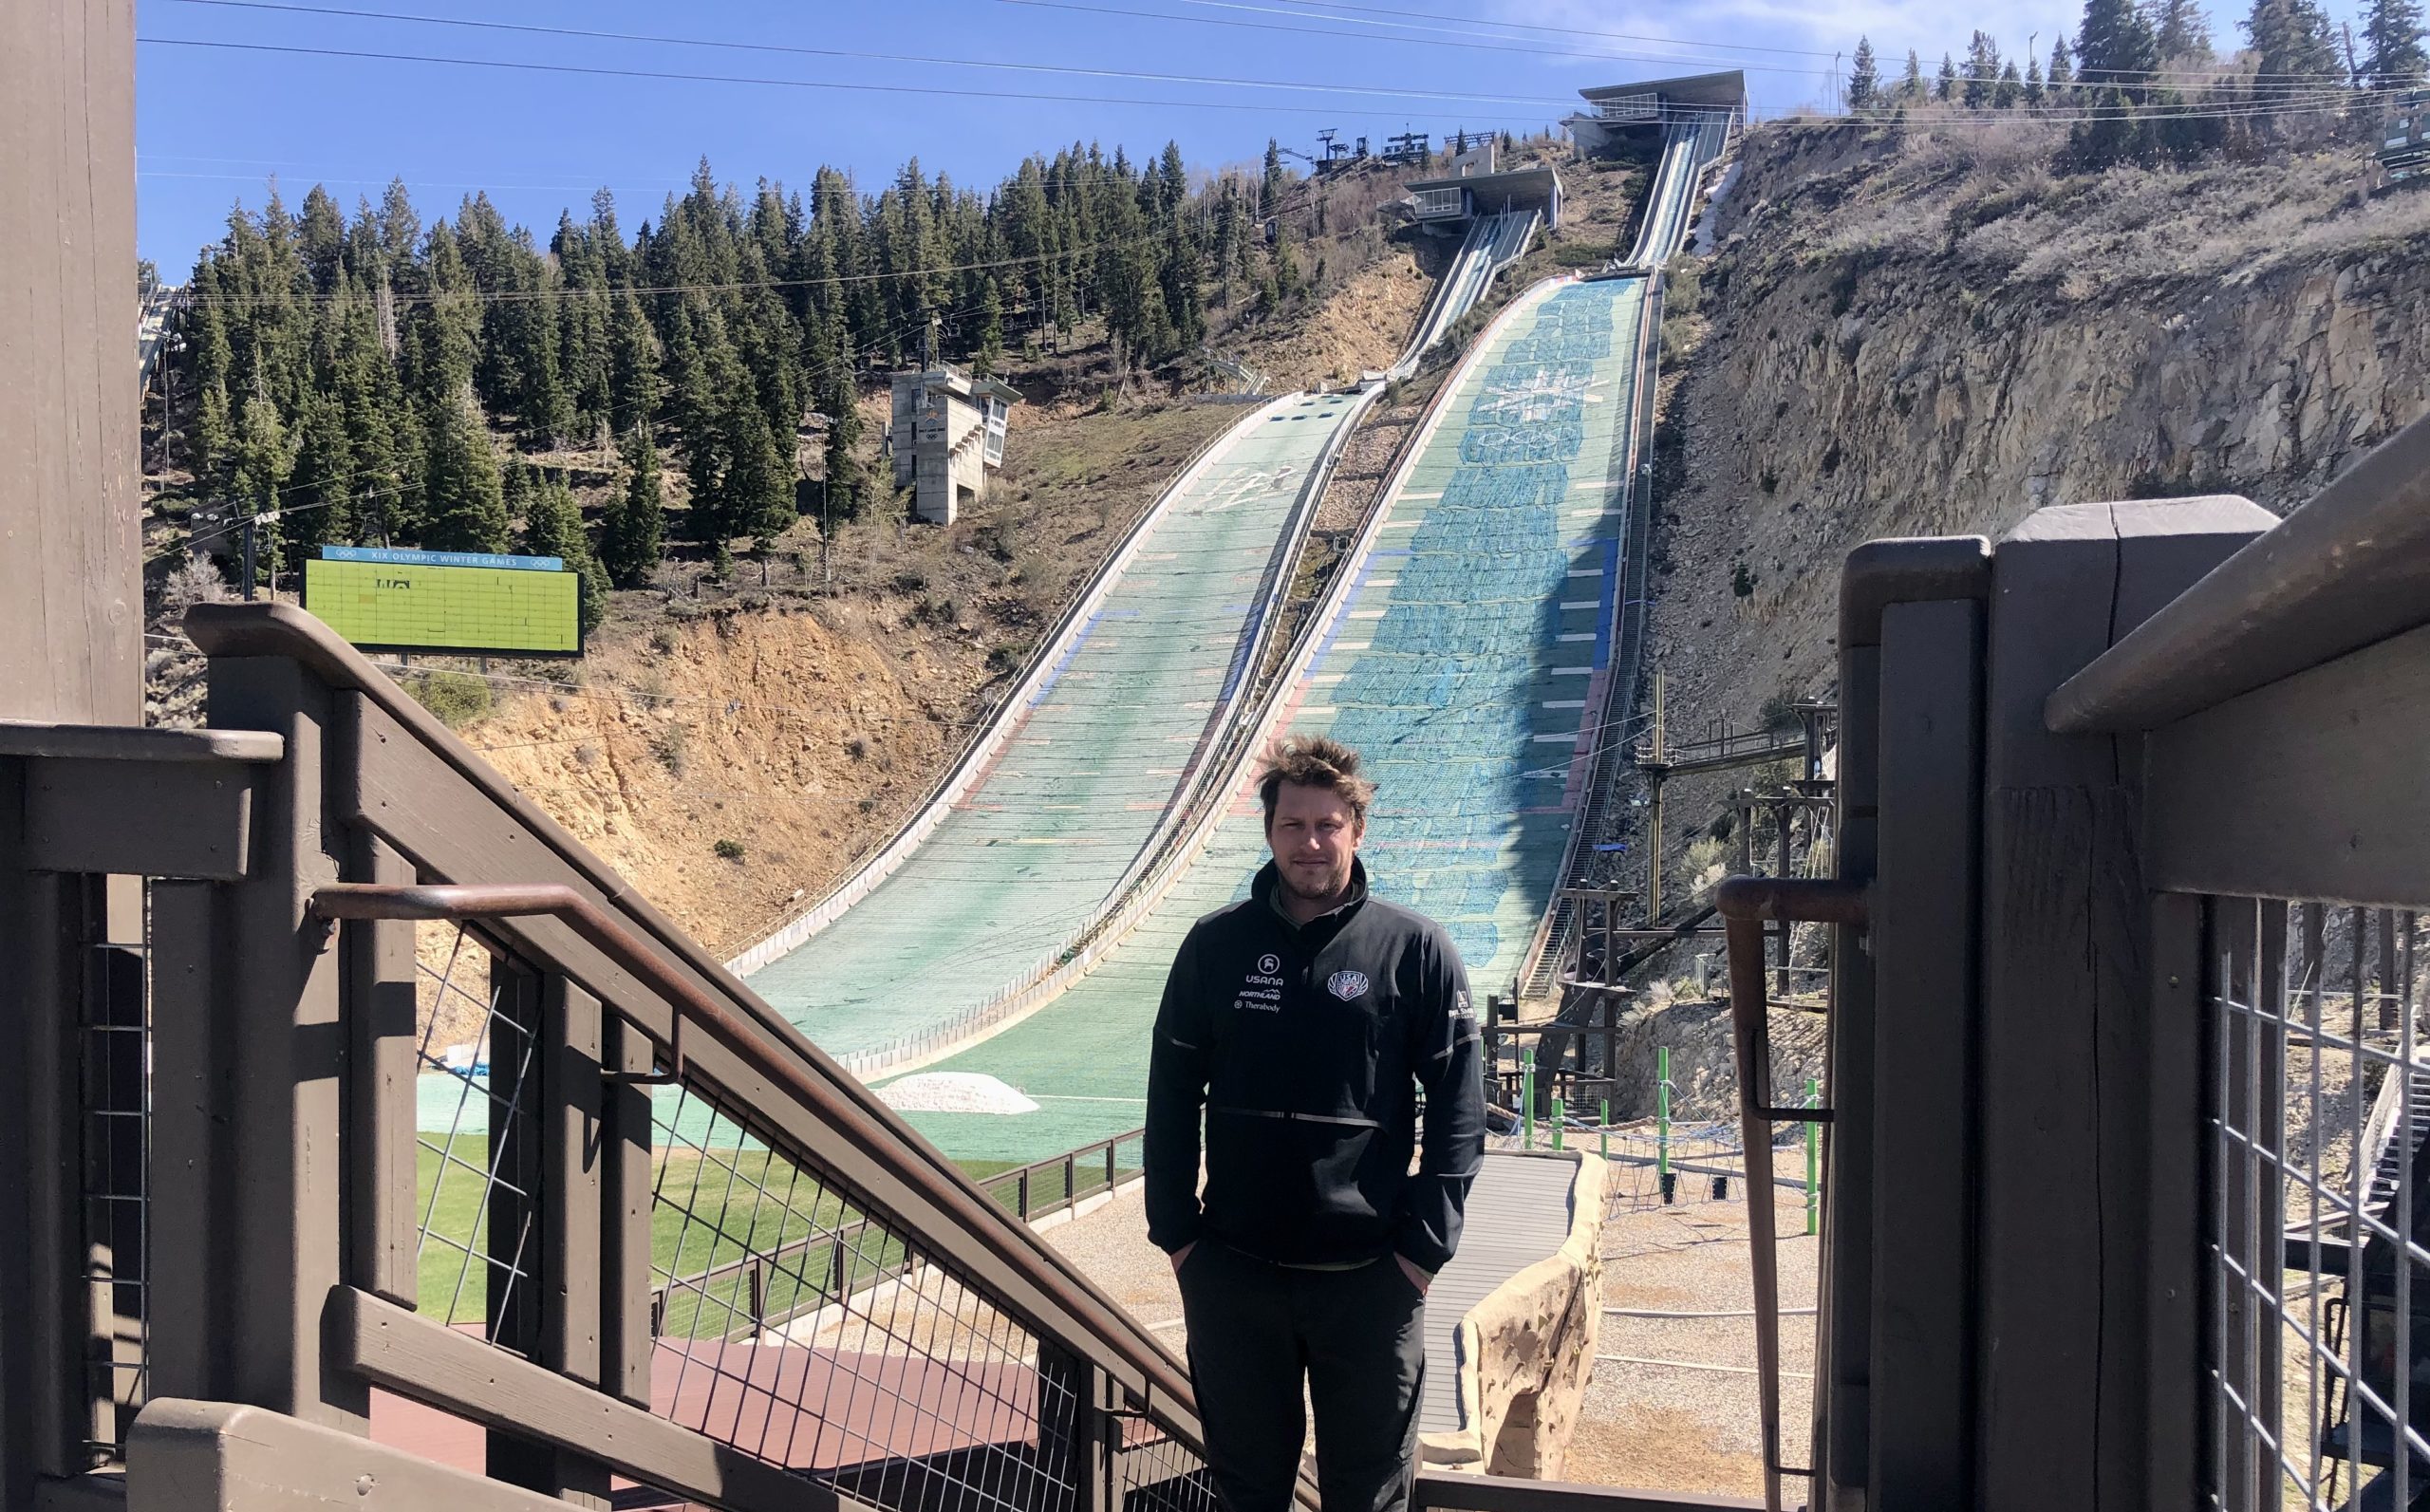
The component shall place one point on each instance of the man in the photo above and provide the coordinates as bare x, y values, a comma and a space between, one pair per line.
1303, 1021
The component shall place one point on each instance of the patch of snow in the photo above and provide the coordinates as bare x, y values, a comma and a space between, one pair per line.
1712, 203
953, 1092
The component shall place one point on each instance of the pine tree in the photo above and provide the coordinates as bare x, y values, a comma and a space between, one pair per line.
264, 462
2392, 33
846, 486
1945, 83
1982, 71
2033, 83
553, 527
2115, 46
2181, 32
1911, 84
2296, 50
761, 486
466, 501
635, 524
989, 354
319, 499
2006, 93
1863, 81
1286, 261
1269, 192
2063, 72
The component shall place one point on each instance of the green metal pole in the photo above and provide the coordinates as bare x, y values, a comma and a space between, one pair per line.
1527, 1100
1813, 1186
1661, 1111
1557, 1123
1604, 1127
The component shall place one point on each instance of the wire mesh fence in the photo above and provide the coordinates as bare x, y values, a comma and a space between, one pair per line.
477, 1156
2318, 1362
791, 1317
801, 1323
114, 1036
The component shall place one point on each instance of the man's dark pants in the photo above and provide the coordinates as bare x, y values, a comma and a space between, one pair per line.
1360, 1338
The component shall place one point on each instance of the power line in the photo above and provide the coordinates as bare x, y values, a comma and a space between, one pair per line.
1471, 30
525, 66
1566, 31
1494, 43
850, 55
1481, 40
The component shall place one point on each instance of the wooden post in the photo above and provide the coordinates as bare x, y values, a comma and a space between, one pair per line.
383, 1225
71, 619
575, 1310
71, 596
1924, 948
511, 1306
2070, 1017
628, 1317
255, 1011
45, 1399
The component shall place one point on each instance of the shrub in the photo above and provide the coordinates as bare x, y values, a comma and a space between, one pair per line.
669, 745
457, 697
1742, 580
728, 850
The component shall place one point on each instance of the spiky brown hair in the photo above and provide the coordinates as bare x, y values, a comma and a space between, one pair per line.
1315, 761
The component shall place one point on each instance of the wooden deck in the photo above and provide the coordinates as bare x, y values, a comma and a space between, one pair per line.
1518, 1213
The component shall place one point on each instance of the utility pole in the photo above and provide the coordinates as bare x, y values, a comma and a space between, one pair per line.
1654, 770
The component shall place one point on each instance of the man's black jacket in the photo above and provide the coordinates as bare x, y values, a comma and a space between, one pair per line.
1306, 1047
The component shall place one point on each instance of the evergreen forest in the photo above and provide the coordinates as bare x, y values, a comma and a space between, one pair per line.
357, 378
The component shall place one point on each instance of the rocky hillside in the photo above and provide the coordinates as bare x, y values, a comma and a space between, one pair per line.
1924, 330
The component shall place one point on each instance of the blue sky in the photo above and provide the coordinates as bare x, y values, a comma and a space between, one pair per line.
214, 123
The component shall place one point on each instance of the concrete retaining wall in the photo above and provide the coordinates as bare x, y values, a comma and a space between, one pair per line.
1527, 1353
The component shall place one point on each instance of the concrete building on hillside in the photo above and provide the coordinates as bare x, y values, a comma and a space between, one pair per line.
946, 435
1618, 110
1473, 187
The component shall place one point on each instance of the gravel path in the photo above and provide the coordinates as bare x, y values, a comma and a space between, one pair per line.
1667, 1428
1110, 1246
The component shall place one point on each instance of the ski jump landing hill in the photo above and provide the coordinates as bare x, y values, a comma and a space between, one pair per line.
1467, 647
982, 908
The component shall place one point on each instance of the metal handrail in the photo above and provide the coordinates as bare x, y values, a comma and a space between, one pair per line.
1746, 904
981, 1219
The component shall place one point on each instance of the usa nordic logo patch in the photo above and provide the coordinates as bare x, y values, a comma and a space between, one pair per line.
1347, 985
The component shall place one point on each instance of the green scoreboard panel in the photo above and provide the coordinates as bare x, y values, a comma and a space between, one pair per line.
470, 603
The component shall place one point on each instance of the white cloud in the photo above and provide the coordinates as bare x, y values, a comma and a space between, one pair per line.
1806, 33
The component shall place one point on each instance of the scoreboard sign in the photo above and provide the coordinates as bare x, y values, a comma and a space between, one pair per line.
469, 603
